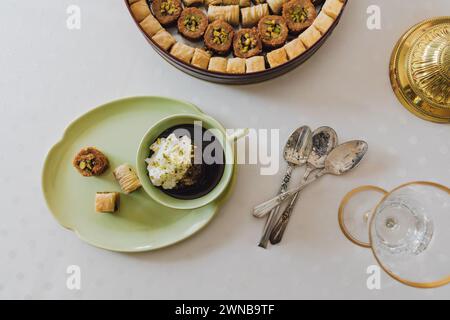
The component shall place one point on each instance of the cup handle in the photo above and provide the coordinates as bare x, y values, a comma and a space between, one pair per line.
237, 134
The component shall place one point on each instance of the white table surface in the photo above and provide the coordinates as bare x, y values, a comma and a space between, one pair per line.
50, 75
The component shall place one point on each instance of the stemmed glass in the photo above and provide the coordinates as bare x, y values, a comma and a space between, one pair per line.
408, 230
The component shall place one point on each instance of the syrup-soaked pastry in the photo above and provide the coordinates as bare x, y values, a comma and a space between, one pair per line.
188, 3
236, 65
107, 202
251, 15
229, 14
294, 48
200, 58
218, 64
219, 37
140, 10
192, 23
127, 178
151, 25
167, 11
255, 64
273, 31
323, 22
164, 39
182, 51
299, 15
240, 3
276, 5
247, 43
277, 57
257, 2
333, 8
310, 36
90, 162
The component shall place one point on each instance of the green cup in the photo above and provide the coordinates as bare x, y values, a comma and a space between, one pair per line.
155, 132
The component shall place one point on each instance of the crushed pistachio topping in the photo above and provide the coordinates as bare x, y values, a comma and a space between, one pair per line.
171, 159
273, 29
191, 22
220, 35
168, 8
299, 14
87, 163
247, 42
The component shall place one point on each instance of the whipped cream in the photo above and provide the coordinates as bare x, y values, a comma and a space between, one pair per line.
170, 161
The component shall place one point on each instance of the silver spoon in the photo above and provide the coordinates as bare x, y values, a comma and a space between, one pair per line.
341, 160
324, 140
296, 153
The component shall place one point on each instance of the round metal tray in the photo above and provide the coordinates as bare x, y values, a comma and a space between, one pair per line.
247, 78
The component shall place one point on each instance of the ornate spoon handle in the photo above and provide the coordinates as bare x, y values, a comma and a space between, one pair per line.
280, 226
267, 206
274, 210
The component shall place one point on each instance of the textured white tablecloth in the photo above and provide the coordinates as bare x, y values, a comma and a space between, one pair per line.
50, 75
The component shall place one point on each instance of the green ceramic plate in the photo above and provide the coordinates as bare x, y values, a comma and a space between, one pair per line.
141, 224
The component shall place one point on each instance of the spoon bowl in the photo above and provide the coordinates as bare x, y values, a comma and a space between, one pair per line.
345, 157
298, 147
324, 140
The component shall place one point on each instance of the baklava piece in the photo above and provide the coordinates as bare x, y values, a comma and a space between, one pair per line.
164, 39
140, 10
218, 64
240, 3
273, 31
229, 14
299, 15
247, 43
188, 3
255, 64
333, 8
151, 25
167, 11
276, 5
200, 58
219, 37
294, 48
192, 23
127, 178
182, 52
107, 202
251, 15
310, 37
323, 22
277, 57
236, 65
90, 162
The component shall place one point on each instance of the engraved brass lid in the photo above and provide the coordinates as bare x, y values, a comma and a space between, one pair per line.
420, 70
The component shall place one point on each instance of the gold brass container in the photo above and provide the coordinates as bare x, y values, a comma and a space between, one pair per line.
420, 70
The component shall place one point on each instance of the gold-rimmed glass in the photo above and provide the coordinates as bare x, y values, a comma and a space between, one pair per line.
408, 231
